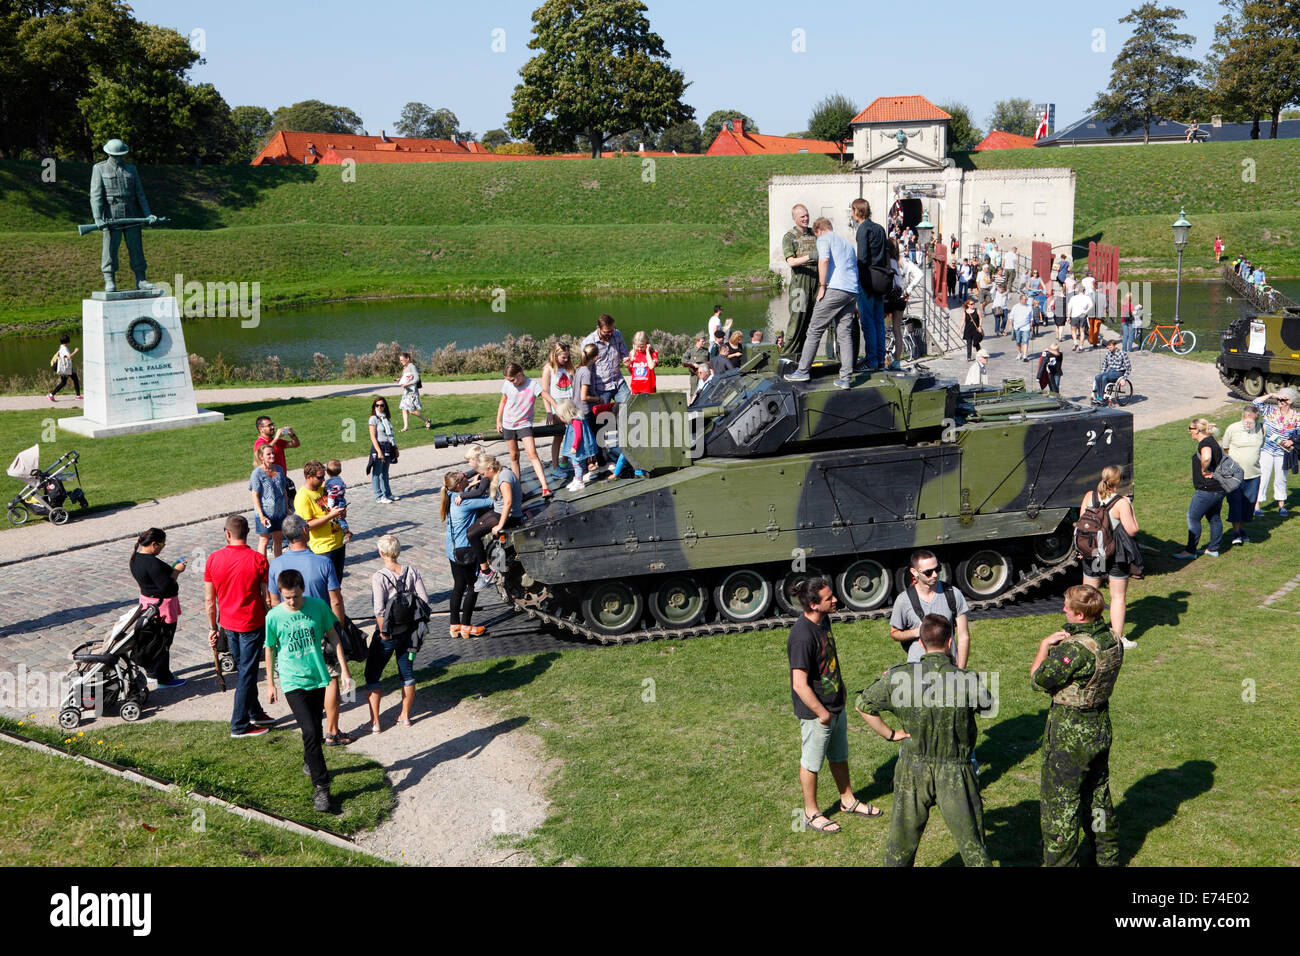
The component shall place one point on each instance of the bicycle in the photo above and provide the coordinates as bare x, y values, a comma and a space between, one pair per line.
1180, 342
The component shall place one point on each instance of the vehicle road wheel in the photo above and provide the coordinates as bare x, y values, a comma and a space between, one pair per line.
743, 595
903, 576
1149, 343
58, 516
985, 574
1252, 383
1123, 392
785, 598
612, 607
678, 602
69, 718
864, 585
129, 711
18, 514
1053, 549
1275, 383
1183, 342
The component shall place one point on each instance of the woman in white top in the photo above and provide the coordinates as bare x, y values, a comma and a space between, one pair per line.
1244, 441
1118, 568
410, 383
557, 386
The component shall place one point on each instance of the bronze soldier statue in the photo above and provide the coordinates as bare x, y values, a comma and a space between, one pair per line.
117, 193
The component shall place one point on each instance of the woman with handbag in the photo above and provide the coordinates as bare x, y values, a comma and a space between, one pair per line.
386, 583
458, 514
383, 451
1207, 499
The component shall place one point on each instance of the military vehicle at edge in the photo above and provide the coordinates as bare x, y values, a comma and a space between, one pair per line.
762, 482
1261, 353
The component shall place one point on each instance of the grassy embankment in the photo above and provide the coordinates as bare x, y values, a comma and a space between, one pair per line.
437, 229
121, 471
1249, 193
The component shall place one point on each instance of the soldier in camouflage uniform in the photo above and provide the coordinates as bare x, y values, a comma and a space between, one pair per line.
936, 702
693, 357
1078, 666
799, 246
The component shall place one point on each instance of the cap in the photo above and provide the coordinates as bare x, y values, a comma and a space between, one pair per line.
981, 354
115, 147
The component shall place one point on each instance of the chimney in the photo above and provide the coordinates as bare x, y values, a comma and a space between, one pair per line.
383, 137
738, 125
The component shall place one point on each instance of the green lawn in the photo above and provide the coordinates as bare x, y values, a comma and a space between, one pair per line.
61, 813
132, 468
707, 772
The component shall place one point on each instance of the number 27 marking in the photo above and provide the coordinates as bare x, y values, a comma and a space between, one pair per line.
1092, 436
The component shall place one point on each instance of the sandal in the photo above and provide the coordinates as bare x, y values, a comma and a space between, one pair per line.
404, 722
810, 823
338, 740
457, 631
477, 630
854, 809
374, 728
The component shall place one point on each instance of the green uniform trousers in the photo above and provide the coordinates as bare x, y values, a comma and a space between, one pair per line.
919, 784
1076, 797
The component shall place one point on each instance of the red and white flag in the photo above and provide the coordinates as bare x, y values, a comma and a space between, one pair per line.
1042, 128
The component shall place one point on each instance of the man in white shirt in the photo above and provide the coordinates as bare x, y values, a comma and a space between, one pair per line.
1079, 308
1022, 326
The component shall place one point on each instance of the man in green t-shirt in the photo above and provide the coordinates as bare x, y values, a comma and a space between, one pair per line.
298, 628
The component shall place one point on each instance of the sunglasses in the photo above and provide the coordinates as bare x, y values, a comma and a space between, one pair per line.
928, 571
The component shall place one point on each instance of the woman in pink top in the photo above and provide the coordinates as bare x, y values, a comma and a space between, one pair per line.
515, 419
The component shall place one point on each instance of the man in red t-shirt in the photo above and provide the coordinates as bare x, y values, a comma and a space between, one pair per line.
234, 593
268, 434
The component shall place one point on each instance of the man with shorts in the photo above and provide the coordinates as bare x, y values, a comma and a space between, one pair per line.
817, 689
1079, 307
1022, 326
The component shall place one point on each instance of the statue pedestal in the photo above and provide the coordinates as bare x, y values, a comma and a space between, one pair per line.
136, 372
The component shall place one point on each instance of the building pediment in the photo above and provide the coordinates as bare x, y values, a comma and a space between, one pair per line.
900, 158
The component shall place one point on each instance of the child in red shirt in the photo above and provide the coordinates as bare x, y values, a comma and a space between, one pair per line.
642, 362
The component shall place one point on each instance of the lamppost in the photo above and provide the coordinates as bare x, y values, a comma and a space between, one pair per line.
1181, 228
924, 233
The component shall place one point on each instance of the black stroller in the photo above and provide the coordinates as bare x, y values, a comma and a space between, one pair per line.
44, 494
110, 672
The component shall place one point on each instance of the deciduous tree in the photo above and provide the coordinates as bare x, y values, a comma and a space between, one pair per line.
713, 125
599, 72
963, 134
831, 117
1016, 115
313, 116
1150, 77
684, 137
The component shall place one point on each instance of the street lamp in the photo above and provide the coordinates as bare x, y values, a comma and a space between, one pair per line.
1181, 228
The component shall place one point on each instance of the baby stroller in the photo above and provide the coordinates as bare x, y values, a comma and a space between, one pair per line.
44, 495
109, 672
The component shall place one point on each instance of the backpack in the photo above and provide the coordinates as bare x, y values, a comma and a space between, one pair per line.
354, 640
1093, 535
405, 615
949, 596
1229, 474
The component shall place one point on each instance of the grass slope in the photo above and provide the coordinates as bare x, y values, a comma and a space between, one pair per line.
1249, 193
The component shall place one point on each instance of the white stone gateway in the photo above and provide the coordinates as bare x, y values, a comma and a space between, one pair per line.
135, 368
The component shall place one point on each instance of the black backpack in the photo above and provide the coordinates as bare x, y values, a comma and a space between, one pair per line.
405, 615
1093, 535
354, 640
949, 596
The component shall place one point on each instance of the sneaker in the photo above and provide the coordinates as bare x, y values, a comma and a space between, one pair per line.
251, 732
485, 581
1258, 513
1281, 509
893, 367
262, 720
50, 396
1127, 644
1213, 554
321, 800
382, 501
795, 376
394, 498
575, 485
174, 682
1240, 539
843, 383
1184, 555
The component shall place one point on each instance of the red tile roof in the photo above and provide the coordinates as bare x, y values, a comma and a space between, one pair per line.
729, 142
900, 109
287, 148
1002, 140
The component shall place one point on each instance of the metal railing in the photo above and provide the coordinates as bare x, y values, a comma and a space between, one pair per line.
1265, 298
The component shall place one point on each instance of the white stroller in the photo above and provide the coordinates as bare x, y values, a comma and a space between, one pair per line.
108, 672
43, 494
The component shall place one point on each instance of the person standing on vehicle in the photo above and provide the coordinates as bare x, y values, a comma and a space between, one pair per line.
799, 246
874, 280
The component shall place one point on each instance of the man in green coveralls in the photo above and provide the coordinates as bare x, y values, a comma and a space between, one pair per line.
937, 702
1078, 666
117, 193
799, 246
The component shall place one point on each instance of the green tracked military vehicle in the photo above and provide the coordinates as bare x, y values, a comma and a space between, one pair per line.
1261, 353
762, 482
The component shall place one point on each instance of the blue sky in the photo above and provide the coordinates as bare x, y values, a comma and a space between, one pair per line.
376, 56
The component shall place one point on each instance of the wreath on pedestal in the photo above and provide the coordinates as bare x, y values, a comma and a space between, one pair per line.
151, 338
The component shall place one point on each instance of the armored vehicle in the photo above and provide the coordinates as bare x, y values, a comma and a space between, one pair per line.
1261, 353
761, 482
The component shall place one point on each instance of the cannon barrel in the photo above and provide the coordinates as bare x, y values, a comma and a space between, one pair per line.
451, 441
